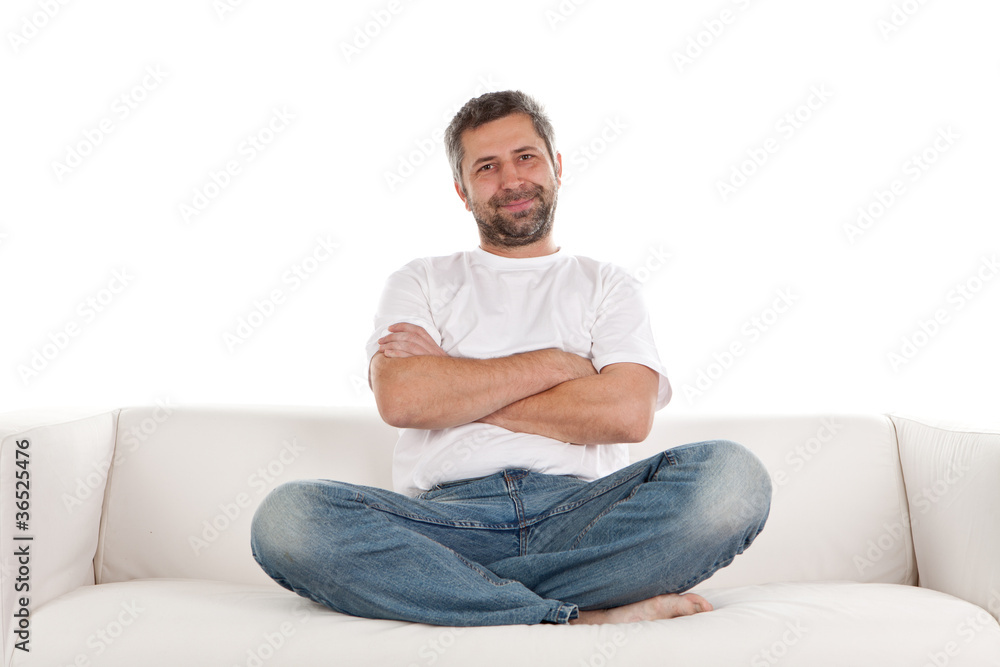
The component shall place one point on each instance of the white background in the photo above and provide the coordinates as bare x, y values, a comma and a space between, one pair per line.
646, 136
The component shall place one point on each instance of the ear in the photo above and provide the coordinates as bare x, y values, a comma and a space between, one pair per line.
465, 200
558, 169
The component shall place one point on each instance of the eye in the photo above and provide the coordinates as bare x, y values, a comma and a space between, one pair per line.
527, 155
485, 167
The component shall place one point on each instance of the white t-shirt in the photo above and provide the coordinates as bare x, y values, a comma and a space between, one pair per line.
475, 304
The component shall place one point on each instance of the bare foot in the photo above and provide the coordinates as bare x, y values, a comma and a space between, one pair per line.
662, 606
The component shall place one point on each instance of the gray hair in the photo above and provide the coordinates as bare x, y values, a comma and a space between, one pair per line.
489, 107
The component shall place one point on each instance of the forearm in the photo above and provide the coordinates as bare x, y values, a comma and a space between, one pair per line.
433, 392
594, 410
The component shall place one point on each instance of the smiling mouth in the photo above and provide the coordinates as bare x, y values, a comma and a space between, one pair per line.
520, 205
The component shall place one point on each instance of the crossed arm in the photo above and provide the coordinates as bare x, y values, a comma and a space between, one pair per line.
549, 392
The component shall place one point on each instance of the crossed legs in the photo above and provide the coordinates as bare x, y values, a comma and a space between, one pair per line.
520, 547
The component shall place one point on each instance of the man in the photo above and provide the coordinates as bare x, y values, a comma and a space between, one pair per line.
517, 373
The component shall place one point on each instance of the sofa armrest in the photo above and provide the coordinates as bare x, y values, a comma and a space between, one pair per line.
951, 474
54, 467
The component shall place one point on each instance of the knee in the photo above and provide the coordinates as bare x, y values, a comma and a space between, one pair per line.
274, 517
281, 501
745, 474
283, 521
737, 486
739, 466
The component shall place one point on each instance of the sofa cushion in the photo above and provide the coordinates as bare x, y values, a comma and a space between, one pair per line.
165, 623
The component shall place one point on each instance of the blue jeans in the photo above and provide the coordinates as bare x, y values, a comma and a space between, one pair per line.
515, 547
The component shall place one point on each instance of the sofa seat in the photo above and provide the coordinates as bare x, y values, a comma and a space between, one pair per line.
173, 622
882, 547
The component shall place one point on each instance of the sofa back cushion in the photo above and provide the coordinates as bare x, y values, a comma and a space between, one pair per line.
187, 481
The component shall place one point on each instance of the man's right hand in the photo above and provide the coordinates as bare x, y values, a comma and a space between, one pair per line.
408, 340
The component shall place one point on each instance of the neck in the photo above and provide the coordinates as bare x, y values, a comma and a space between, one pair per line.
539, 248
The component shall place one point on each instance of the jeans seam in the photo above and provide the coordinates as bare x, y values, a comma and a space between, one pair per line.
705, 574
670, 457
515, 498
561, 509
482, 571
600, 516
562, 613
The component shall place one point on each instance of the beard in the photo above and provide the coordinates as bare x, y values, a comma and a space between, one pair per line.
521, 228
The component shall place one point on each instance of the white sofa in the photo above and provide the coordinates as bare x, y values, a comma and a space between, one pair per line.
882, 547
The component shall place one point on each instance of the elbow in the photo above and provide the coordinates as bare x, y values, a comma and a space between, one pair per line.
389, 386
638, 426
404, 396
402, 409
400, 417
390, 414
395, 410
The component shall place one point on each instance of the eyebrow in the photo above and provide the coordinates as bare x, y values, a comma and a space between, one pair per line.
522, 149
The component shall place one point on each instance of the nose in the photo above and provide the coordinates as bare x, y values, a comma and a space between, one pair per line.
510, 178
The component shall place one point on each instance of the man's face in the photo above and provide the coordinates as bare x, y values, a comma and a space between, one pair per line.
510, 181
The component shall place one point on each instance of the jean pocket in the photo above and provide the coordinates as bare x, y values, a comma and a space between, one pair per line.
441, 489
458, 482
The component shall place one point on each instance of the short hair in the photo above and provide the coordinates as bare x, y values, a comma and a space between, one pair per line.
489, 107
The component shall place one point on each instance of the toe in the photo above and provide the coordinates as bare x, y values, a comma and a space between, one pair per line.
699, 603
